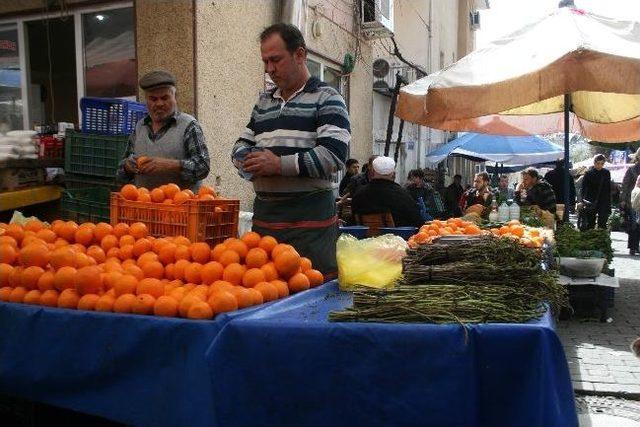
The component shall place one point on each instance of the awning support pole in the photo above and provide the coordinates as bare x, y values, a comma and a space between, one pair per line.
567, 176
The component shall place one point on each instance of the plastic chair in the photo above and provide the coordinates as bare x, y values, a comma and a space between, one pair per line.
374, 221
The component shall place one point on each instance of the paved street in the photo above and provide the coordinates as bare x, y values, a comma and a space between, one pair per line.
598, 354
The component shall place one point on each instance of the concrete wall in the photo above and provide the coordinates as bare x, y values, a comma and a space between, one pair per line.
164, 40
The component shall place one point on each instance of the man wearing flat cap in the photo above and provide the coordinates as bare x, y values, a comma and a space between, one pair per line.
382, 195
167, 145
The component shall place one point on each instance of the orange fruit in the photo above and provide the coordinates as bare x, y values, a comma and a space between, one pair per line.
282, 288
269, 291
5, 293
239, 247
120, 229
165, 306
63, 257
8, 253
157, 244
49, 298
68, 231
102, 230
233, 273
167, 252
472, 229
169, 271
126, 240
153, 269
124, 303
256, 295
252, 277
134, 270
143, 304
192, 273
243, 296
222, 301
15, 279
30, 277
105, 303
186, 303
32, 297
96, 253
200, 252
206, 197
144, 197
256, 257
181, 240
280, 248
150, 286
33, 225
251, 239
315, 277
88, 302
8, 240
157, 195
111, 278
29, 240
129, 192
17, 294
179, 267
299, 282
221, 285
206, 190
189, 193
305, 264
114, 253
78, 248
109, 241
147, 257
34, 254
200, 311
125, 284
211, 272
229, 257
217, 251
89, 280
65, 278
182, 252
287, 263
126, 252
141, 246
181, 197
178, 294
201, 291
16, 231
270, 272
144, 190
46, 235
68, 298
170, 190
84, 236
5, 273
83, 260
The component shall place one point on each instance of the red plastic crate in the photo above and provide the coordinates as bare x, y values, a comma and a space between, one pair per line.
211, 221
51, 150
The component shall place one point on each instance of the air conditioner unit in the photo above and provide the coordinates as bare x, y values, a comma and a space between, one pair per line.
381, 76
474, 20
377, 18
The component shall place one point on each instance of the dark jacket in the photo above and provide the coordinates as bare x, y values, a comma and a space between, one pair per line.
628, 182
453, 195
596, 188
541, 195
356, 182
382, 195
555, 177
473, 197
344, 183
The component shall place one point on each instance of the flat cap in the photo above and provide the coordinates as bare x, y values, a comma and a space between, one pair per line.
157, 78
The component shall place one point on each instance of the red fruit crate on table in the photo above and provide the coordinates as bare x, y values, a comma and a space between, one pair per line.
211, 221
51, 150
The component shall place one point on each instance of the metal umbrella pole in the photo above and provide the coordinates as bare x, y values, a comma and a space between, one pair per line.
567, 176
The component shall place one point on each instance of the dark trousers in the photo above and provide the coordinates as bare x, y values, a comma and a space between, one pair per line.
590, 220
634, 231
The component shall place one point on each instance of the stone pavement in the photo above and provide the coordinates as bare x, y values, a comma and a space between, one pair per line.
598, 354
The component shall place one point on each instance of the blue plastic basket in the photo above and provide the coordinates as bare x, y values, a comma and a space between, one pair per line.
404, 232
357, 231
110, 116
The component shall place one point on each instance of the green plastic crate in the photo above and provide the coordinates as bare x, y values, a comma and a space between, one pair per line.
96, 155
80, 182
86, 205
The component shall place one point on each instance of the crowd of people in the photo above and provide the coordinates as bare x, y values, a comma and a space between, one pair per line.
374, 190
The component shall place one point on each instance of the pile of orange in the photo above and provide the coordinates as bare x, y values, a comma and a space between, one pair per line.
169, 194
528, 236
436, 228
124, 270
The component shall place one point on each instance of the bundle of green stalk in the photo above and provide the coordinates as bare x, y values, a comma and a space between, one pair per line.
571, 242
490, 261
441, 303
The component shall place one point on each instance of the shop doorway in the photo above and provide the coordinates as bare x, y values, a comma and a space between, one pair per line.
52, 70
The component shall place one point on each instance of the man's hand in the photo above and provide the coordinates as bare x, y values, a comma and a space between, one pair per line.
130, 167
158, 165
262, 163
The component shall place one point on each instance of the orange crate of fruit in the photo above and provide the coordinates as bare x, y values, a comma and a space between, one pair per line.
210, 221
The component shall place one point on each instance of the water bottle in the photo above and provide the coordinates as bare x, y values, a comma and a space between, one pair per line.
514, 211
493, 215
503, 212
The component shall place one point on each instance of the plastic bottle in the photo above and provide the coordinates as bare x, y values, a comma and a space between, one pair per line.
503, 212
493, 215
514, 211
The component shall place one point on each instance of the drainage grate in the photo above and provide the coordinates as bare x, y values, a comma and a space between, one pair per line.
608, 405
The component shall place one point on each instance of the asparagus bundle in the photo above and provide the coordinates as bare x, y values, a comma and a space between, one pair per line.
441, 303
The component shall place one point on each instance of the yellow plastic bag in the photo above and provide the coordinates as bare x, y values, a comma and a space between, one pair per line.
374, 262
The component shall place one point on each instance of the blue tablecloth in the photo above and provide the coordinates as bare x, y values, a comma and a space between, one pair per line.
286, 365
140, 371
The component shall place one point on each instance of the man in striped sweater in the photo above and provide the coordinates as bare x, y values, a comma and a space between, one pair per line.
297, 137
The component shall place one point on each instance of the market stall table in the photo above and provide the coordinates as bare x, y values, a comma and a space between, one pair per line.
138, 370
287, 365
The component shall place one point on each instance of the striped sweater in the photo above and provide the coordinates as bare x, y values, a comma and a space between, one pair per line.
310, 132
